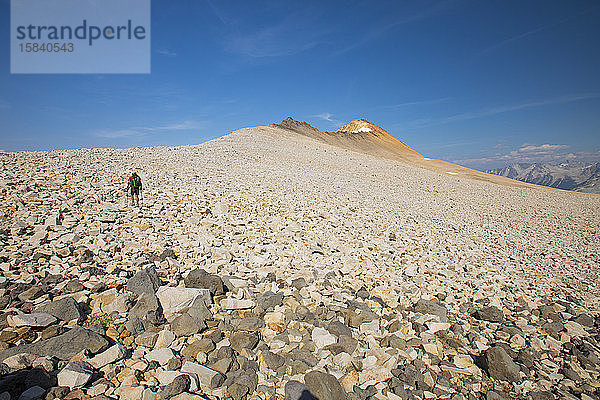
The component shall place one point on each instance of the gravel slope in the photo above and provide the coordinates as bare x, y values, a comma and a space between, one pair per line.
333, 231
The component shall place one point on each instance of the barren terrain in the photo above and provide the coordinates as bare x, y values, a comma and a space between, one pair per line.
357, 275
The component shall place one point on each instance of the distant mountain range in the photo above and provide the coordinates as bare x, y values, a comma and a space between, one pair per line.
570, 175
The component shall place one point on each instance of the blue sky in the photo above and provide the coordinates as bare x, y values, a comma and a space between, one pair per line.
482, 83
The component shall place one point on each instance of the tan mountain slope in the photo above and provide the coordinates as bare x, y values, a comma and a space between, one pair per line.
365, 137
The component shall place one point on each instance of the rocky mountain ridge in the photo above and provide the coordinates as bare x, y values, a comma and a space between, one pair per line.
570, 175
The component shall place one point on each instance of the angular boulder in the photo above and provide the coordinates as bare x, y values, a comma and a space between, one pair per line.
199, 278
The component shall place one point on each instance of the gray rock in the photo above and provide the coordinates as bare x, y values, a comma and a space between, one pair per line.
542, 395
57, 392
222, 365
31, 294
247, 377
295, 390
299, 283
410, 375
585, 320
38, 320
204, 345
362, 293
364, 394
554, 328
304, 314
206, 376
179, 385
74, 286
173, 364
243, 340
491, 395
63, 346
134, 325
199, 310
145, 281
395, 342
147, 339
306, 356
15, 382
499, 365
491, 314
147, 307
75, 374
358, 317
324, 386
347, 344
199, 278
251, 324
114, 353
431, 307
269, 300
237, 391
65, 309
571, 374
273, 361
185, 325
34, 392
526, 357
338, 329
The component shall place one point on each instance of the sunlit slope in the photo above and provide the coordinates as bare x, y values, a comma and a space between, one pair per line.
365, 137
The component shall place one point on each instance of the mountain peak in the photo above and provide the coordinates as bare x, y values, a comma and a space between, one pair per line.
361, 126
300, 127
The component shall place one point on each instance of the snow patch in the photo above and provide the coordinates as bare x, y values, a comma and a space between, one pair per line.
425, 158
451, 173
363, 129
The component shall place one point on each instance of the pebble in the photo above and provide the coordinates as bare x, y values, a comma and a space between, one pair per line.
321, 337
75, 374
161, 355
38, 320
175, 299
235, 304
109, 356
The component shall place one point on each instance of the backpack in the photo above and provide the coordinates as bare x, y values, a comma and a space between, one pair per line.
136, 182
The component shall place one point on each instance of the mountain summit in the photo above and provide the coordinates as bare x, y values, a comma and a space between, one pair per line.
365, 137
357, 135
378, 136
362, 126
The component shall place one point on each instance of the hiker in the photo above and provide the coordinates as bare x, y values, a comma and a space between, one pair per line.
134, 185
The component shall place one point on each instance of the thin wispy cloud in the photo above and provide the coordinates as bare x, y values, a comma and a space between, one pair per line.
421, 123
380, 30
139, 131
534, 31
369, 36
284, 38
419, 103
166, 52
218, 13
329, 118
